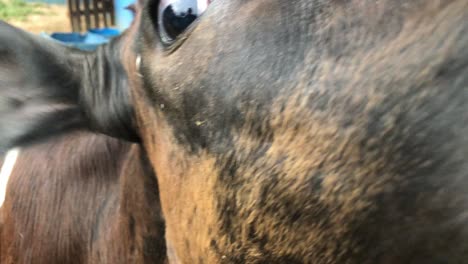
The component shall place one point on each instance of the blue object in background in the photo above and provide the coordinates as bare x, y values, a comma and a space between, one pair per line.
105, 32
123, 16
88, 41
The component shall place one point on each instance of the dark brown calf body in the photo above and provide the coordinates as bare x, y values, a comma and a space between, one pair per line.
82, 198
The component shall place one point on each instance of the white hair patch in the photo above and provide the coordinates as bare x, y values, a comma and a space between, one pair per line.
5, 172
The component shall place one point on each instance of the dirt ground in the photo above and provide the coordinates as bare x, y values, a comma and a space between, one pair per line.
53, 18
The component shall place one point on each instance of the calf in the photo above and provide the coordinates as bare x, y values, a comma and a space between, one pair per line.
82, 198
306, 131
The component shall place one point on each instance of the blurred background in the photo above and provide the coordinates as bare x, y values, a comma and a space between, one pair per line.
83, 24
37, 17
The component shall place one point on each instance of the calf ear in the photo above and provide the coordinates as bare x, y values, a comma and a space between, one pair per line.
47, 89
39, 88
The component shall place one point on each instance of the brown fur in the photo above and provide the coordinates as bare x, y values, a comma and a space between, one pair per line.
82, 198
311, 132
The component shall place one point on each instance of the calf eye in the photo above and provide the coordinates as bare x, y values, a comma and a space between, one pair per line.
175, 16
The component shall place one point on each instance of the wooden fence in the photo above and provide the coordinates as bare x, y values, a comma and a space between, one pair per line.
86, 14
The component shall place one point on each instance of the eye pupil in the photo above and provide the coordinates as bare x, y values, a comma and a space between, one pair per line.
175, 16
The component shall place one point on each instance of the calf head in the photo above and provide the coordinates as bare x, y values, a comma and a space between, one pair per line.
320, 131
309, 131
